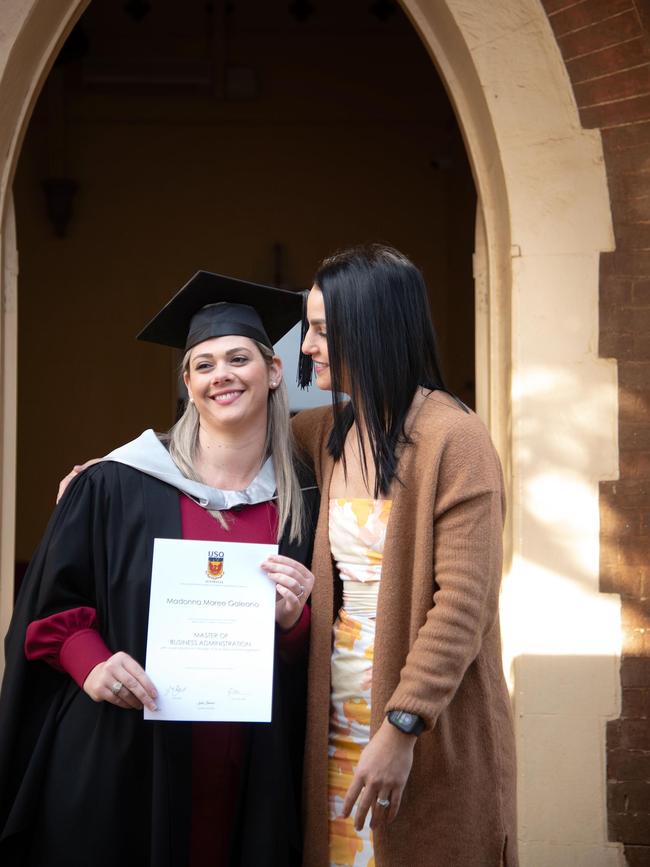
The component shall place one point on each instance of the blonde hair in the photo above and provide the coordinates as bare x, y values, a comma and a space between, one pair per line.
183, 443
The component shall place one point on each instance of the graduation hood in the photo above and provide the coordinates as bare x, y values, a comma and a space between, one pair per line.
147, 454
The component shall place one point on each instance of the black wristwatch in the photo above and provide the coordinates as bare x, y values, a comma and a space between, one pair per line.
409, 723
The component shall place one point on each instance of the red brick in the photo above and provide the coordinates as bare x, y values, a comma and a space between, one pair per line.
614, 344
619, 578
634, 374
607, 344
615, 525
634, 206
635, 735
641, 295
635, 705
587, 13
611, 114
625, 764
630, 827
627, 184
601, 35
643, 11
635, 438
620, 523
635, 613
637, 856
627, 320
553, 6
629, 797
634, 551
635, 671
614, 291
623, 138
626, 55
632, 236
629, 493
636, 642
634, 445
634, 403
618, 162
619, 85
613, 734
635, 464
626, 263
630, 209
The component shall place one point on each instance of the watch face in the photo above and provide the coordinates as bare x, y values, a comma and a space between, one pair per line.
407, 722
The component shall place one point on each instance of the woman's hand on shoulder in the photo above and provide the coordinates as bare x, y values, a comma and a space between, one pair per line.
78, 468
120, 680
381, 776
293, 585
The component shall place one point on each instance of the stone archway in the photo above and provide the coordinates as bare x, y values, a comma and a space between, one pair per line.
549, 401
33, 33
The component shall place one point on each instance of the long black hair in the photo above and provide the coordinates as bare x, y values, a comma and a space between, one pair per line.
382, 347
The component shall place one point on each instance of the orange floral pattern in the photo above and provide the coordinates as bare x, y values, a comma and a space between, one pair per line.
357, 530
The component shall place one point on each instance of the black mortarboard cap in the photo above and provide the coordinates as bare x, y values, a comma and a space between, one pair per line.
211, 305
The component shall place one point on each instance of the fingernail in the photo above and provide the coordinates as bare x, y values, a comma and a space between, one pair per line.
153, 707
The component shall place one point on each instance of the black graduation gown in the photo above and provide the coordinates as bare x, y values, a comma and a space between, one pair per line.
86, 783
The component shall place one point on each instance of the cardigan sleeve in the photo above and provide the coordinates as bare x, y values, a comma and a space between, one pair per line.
467, 551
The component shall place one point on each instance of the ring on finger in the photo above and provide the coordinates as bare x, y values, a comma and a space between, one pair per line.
117, 686
383, 802
302, 592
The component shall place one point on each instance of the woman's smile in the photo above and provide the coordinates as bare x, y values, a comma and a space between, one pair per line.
227, 397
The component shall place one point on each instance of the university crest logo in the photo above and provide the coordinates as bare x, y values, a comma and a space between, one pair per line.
215, 565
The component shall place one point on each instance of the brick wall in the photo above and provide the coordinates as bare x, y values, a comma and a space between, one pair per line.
606, 47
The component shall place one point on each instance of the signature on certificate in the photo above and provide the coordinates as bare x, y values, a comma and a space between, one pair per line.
237, 694
176, 691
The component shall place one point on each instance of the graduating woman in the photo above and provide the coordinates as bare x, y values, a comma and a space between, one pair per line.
83, 778
409, 718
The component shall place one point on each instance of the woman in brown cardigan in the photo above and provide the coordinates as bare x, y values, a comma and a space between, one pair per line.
435, 775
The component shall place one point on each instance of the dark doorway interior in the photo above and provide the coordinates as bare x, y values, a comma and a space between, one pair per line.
249, 138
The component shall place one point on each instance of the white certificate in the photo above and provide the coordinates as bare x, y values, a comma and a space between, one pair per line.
211, 631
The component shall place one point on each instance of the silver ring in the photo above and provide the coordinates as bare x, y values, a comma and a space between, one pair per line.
117, 686
383, 802
302, 592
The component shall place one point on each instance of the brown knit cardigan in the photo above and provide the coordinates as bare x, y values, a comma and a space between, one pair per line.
437, 647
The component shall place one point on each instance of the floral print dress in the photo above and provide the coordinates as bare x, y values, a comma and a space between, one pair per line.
357, 530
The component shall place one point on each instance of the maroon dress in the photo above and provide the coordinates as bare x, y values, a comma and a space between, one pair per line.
69, 641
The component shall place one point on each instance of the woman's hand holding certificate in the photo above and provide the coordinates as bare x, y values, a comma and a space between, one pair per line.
294, 583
